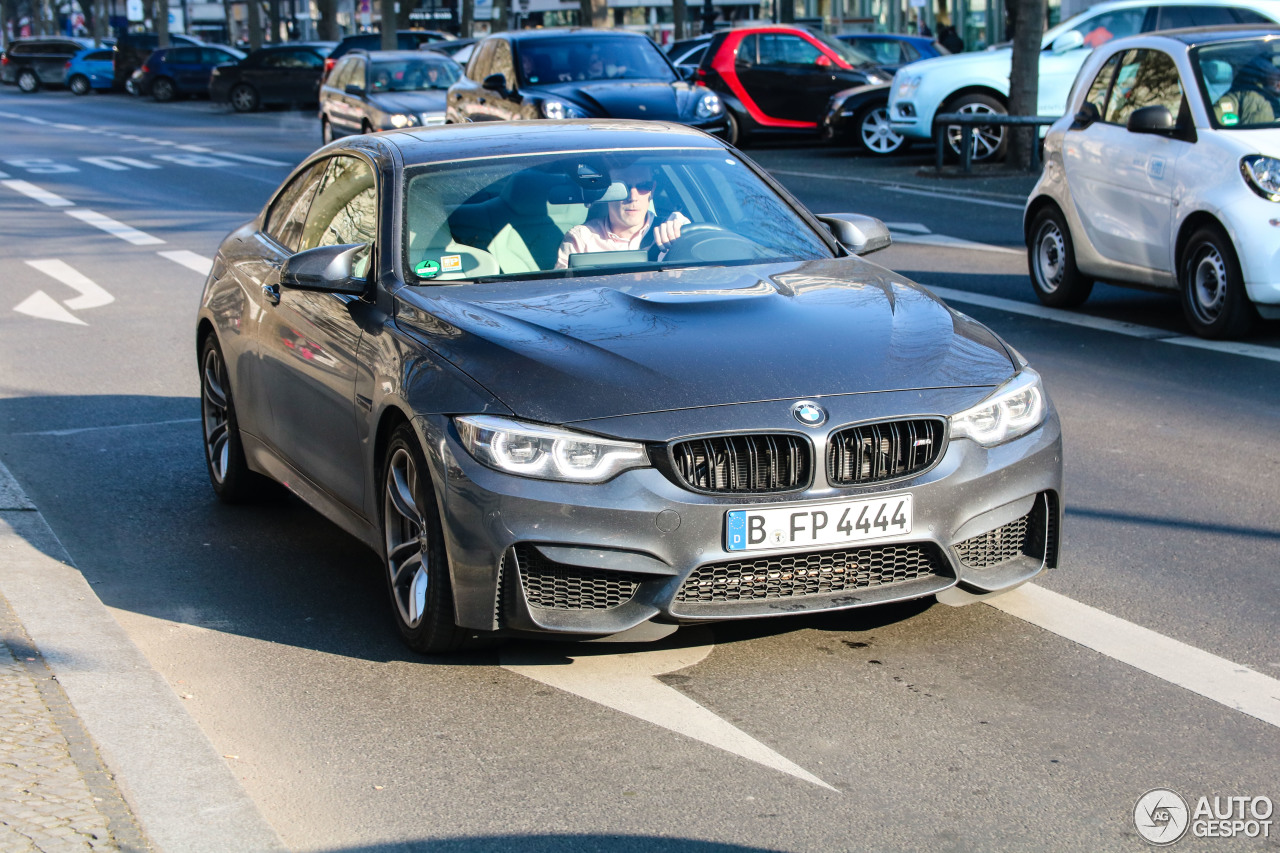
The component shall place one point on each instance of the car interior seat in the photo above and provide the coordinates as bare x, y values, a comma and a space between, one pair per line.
431, 240
530, 238
1218, 75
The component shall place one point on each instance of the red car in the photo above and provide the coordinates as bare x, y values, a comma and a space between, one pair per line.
778, 79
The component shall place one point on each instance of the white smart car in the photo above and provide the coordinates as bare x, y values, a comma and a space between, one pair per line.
1166, 175
979, 82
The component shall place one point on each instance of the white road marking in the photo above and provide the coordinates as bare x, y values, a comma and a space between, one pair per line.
1230, 684
1132, 330
119, 164
44, 307
41, 195
190, 260
114, 228
91, 294
194, 160
249, 158
625, 682
71, 127
898, 188
4, 174
196, 148
943, 241
78, 430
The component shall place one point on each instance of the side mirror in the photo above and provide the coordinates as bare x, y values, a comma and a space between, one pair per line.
823, 61
496, 82
1154, 119
325, 269
1088, 115
1067, 42
353, 89
860, 234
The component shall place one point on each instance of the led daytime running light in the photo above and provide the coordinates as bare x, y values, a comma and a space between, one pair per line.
546, 453
1013, 410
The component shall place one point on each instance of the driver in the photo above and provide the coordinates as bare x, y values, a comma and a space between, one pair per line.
623, 224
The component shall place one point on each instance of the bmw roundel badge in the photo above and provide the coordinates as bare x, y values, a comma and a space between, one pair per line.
809, 413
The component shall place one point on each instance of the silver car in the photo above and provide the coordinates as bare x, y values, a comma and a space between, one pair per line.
541, 436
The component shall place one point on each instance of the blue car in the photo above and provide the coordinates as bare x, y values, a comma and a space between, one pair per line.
90, 70
892, 50
173, 71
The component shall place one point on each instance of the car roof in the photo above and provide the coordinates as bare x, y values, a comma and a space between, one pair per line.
397, 54
1192, 36
561, 32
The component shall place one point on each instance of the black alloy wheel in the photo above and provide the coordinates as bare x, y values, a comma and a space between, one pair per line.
163, 90
875, 133
1052, 262
28, 81
244, 98
232, 480
79, 84
417, 567
1214, 300
989, 141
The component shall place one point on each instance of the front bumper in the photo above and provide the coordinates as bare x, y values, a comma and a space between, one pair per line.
594, 560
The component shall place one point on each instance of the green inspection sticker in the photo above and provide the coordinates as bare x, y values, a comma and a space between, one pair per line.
427, 269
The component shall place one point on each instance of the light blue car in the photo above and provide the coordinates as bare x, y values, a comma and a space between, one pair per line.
90, 70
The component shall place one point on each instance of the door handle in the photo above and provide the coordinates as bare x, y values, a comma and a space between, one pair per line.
271, 292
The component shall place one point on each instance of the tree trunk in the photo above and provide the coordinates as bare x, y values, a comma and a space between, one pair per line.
467, 19
162, 22
328, 24
679, 14
1024, 79
387, 11
498, 12
253, 12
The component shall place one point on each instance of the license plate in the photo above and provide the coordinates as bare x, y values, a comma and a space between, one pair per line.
834, 523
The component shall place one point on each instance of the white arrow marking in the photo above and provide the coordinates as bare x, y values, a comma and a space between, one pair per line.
190, 260
91, 295
41, 195
115, 229
626, 683
45, 307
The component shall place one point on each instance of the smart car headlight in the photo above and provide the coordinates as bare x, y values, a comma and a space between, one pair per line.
552, 108
403, 119
1016, 408
1262, 174
708, 105
546, 453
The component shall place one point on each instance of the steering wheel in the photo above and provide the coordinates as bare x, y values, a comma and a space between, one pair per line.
707, 242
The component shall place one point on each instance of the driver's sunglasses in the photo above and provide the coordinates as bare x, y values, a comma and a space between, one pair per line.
642, 187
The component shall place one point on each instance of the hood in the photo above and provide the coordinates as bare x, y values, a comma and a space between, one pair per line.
985, 63
431, 100
1256, 141
655, 100
565, 350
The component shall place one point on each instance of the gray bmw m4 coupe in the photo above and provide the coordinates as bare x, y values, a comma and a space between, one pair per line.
584, 378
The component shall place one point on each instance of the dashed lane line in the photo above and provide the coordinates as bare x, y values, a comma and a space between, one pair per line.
892, 186
190, 260
40, 194
116, 229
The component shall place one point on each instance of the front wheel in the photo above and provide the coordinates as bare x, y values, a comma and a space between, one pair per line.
244, 98
736, 135
229, 474
1213, 296
989, 142
417, 568
28, 81
875, 133
79, 85
163, 90
1052, 260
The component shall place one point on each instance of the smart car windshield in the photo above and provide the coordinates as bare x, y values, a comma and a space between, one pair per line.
412, 75
1240, 82
592, 212
588, 58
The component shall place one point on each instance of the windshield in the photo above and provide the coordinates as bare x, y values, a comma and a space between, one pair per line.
412, 75
1099, 28
1240, 82
845, 51
585, 58
592, 212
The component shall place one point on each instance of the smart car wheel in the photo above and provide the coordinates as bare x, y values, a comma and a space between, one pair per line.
1052, 260
244, 98
28, 81
989, 141
229, 474
875, 133
78, 84
163, 90
1213, 295
736, 134
417, 568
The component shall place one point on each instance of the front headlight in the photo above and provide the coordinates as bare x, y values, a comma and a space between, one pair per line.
1262, 174
906, 85
708, 105
403, 120
546, 453
1016, 408
559, 109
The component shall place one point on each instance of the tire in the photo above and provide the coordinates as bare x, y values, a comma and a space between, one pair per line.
244, 98
871, 127
1052, 262
417, 567
326, 131
28, 81
79, 85
163, 90
1212, 286
736, 135
989, 143
229, 474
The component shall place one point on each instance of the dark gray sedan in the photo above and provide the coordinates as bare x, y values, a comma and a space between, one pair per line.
433, 337
385, 90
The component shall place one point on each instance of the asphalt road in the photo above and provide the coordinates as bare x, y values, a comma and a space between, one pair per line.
1033, 724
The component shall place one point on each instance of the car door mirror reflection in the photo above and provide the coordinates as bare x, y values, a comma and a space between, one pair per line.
327, 269
1067, 42
496, 82
355, 90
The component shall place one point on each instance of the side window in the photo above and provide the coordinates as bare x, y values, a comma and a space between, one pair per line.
1145, 78
478, 68
345, 209
289, 212
787, 50
1174, 17
100, 56
1248, 16
909, 53
342, 76
183, 54
1101, 29
502, 62
213, 56
1098, 90
747, 51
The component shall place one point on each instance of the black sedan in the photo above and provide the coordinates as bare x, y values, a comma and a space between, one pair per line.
385, 90
279, 74
579, 73
433, 338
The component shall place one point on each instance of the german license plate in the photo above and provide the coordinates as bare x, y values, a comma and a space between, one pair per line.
834, 523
